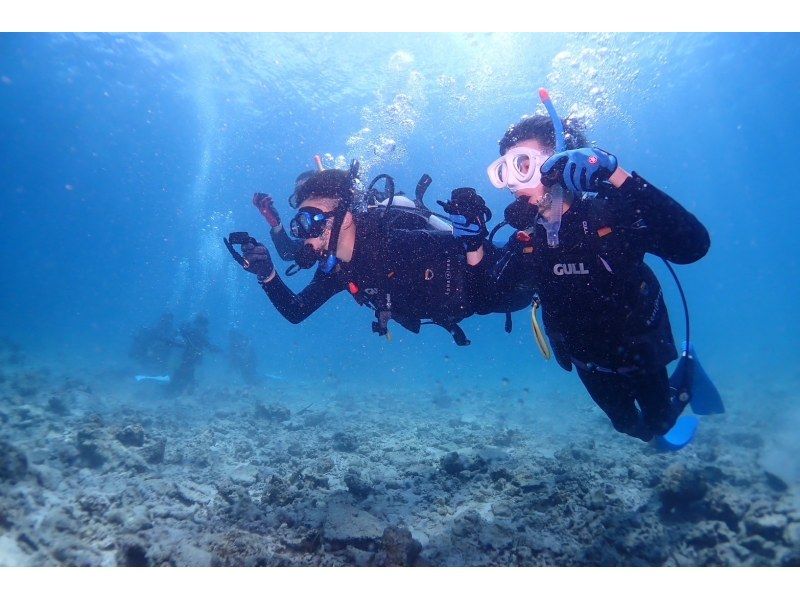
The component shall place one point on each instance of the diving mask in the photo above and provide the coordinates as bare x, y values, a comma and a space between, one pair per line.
519, 166
309, 223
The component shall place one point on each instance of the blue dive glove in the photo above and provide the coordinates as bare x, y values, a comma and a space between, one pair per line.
472, 234
469, 214
579, 170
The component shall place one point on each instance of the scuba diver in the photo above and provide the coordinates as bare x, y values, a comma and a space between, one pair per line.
195, 343
389, 252
583, 227
243, 357
153, 346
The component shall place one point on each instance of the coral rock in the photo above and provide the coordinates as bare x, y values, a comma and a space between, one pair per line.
13, 463
273, 412
348, 525
399, 547
681, 487
770, 526
452, 463
154, 451
131, 435
356, 485
345, 442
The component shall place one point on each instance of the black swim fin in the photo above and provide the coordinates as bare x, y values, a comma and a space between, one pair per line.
689, 382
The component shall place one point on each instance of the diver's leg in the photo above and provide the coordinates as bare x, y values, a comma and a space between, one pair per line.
183, 376
653, 395
615, 395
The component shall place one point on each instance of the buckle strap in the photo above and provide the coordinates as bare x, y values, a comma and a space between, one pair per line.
458, 336
455, 331
381, 325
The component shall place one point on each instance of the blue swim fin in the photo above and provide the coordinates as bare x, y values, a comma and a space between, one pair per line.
679, 435
689, 382
164, 378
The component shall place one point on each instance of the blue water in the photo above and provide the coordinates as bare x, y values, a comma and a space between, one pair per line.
125, 159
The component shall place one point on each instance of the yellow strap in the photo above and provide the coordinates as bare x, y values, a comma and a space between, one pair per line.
537, 332
388, 336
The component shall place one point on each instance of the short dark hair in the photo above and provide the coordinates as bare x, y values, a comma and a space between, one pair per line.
540, 127
327, 183
298, 182
303, 177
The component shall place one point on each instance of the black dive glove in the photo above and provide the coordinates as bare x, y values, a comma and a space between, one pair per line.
469, 216
257, 260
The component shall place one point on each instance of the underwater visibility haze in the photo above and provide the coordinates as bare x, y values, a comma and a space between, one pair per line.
128, 157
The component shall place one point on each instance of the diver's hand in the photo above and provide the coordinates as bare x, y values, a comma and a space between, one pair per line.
579, 170
464, 201
264, 203
471, 233
257, 260
469, 216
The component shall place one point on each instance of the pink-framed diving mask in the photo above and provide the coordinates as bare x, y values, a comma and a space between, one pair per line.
519, 167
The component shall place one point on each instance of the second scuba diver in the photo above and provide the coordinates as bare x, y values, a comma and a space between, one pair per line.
404, 263
583, 227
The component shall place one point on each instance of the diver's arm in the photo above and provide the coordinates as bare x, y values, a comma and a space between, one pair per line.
667, 229
480, 283
619, 176
474, 258
286, 246
502, 281
297, 307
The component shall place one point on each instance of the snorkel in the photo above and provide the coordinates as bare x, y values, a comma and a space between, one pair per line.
553, 200
558, 126
522, 214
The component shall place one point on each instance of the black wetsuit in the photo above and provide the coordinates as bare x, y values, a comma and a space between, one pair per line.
404, 274
196, 344
286, 246
603, 307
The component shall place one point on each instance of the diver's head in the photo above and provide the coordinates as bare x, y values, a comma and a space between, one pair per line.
319, 201
540, 128
314, 221
523, 149
298, 182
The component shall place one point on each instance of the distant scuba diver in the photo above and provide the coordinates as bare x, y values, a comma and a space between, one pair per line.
155, 348
389, 252
152, 346
195, 343
242, 356
583, 226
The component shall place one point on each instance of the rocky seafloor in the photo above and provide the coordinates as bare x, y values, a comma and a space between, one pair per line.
251, 476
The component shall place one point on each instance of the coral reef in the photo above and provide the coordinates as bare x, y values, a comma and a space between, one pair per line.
88, 479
